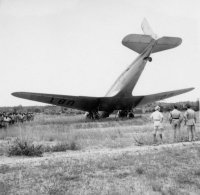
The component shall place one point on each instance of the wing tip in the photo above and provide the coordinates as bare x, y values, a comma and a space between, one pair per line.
15, 94
18, 94
190, 89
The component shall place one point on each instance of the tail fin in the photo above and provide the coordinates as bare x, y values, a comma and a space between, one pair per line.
139, 43
147, 29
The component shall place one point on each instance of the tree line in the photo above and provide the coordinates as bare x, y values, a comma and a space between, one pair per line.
57, 110
166, 107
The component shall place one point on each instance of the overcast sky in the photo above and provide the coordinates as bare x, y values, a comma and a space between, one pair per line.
73, 47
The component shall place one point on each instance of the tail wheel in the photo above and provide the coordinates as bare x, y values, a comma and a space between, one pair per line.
148, 58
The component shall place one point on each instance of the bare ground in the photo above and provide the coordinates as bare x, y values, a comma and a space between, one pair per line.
91, 154
162, 169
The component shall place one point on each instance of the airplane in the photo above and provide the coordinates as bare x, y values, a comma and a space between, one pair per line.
119, 97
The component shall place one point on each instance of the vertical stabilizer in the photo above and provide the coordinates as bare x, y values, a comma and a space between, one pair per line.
147, 29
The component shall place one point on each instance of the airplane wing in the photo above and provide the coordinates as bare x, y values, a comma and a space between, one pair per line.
76, 102
92, 103
160, 96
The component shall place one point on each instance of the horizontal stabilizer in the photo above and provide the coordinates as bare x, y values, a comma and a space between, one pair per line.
139, 43
136, 42
165, 43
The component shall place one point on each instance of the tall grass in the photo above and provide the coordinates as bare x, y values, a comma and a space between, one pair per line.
105, 133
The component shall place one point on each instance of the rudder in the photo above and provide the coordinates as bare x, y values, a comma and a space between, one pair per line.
147, 29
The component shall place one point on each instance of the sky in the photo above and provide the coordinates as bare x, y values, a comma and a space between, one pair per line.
73, 47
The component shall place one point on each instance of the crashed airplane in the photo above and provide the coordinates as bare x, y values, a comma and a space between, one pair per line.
119, 97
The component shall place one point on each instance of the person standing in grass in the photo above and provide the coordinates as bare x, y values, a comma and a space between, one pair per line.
157, 118
175, 118
190, 120
6, 120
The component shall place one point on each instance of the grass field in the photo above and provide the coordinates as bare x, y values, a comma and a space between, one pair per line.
106, 133
106, 162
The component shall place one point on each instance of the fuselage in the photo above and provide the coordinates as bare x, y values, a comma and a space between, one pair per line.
121, 91
126, 82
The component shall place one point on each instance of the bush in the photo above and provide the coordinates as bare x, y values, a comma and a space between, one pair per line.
62, 147
139, 171
23, 148
74, 146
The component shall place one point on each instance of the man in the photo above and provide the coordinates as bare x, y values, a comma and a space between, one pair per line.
1, 120
175, 118
190, 120
6, 120
157, 119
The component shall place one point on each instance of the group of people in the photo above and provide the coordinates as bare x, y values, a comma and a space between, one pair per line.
175, 118
7, 119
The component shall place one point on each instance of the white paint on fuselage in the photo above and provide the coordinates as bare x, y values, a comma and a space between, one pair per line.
126, 82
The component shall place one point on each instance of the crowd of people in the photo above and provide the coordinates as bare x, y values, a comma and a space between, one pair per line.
11, 118
175, 119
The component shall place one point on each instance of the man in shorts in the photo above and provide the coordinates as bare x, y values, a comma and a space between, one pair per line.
157, 118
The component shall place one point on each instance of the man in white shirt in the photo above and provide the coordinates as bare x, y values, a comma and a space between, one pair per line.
157, 118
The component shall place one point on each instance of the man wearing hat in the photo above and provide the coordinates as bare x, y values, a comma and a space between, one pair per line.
175, 118
157, 118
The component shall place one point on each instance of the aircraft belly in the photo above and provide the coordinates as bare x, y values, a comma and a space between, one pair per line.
82, 105
111, 104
